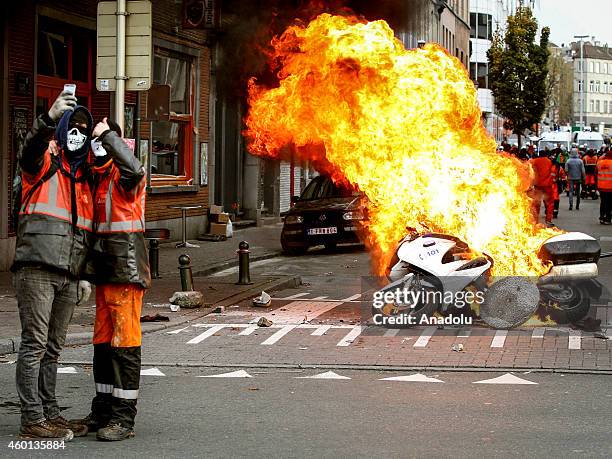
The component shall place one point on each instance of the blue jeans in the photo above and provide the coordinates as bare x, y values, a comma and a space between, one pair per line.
574, 187
46, 301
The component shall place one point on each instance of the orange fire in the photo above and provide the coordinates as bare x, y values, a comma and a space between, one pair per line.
403, 126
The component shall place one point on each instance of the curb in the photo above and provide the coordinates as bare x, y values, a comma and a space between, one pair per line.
11, 345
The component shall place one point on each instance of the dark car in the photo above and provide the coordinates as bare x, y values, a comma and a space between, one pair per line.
325, 214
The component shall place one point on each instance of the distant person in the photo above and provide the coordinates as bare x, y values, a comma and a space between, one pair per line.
543, 187
574, 168
604, 185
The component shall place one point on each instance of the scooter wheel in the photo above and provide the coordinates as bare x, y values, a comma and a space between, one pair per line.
565, 303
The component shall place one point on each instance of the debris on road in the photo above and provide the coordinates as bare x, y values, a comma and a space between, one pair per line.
262, 300
457, 347
155, 318
218, 310
600, 335
188, 300
263, 322
329, 273
175, 307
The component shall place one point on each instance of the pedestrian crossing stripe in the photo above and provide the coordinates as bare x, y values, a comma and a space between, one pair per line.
354, 331
67, 370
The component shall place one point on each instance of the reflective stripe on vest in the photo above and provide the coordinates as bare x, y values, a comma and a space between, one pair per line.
110, 226
51, 208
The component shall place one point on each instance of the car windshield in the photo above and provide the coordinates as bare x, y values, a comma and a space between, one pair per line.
551, 145
322, 187
591, 144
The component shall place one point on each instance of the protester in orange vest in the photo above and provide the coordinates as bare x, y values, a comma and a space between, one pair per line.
590, 168
543, 186
53, 234
120, 268
604, 185
555, 172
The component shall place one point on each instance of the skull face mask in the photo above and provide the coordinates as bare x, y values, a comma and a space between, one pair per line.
97, 148
75, 139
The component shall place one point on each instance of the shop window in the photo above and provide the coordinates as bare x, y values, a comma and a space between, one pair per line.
172, 140
473, 17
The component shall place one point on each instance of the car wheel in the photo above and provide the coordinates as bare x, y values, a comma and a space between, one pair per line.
293, 251
330, 246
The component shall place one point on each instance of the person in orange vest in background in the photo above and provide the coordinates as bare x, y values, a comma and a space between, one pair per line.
53, 235
121, 272
590, 168
604, 185
556, 171
543, 186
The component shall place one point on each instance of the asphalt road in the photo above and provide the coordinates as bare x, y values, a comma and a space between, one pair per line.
274, 414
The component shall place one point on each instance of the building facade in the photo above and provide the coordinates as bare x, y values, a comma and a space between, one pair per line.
487, 16
593, 86
46, 44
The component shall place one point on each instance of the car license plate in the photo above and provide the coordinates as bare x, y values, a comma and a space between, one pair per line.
328, 230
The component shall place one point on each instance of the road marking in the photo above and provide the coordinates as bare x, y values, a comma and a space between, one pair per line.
319, 298
326, 375
391, 332
352, 297
464, 333
350, 336
297, 295
538, 333
174, 332
320, 331
425, 337
507, 378
278, 335
298, 311
413, 378
232, 374
250, 329
573, 341
499, 339
207, 334
67, 370
605, 238
151, 372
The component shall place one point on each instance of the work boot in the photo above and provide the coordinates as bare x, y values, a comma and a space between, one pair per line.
114, 432
78, 427
549, 224
45, 429
92, 422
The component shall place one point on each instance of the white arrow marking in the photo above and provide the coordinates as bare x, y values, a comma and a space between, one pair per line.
320, 331
233, 374
208, 333
508, 378
278, 335
350, 337
574, 339
499, 339
67, 370
174, 332
425, 337
413, 378
151, 372
326, 375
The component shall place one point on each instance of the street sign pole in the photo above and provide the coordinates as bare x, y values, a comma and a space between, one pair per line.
120, 77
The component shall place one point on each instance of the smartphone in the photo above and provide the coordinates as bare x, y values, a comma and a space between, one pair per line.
70, 88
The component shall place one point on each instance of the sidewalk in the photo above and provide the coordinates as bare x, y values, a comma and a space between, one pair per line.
209, 258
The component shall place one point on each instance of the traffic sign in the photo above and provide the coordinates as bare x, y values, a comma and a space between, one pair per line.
138, 46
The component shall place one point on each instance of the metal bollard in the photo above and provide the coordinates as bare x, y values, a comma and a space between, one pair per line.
185, 272
244, 277
154, 258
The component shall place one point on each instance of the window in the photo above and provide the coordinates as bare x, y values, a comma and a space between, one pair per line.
579, 85
172, 139
591, 105
591, 86
597, 86
579, 66
604, 68
605, 106
483, 76
597, 67
473, 17
597, 106
605, 87
591, 66
484, 26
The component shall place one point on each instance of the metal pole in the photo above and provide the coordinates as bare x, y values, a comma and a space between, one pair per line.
581, 38
120, 77
137, 126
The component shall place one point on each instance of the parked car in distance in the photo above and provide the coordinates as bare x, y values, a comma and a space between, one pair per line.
324, 214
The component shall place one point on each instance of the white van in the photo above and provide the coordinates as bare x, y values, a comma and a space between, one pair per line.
553, 139
588, 139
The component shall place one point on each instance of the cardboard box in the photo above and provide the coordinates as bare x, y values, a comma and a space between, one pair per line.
221, 218
214, 209
218, 228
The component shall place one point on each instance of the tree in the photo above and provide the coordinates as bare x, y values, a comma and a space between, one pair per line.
518, 70
559, 88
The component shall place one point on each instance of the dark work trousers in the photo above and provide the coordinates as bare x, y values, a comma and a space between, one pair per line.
117, 378
574, 188
605, 206
46, 301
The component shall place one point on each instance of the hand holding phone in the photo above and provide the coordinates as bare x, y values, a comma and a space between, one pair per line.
70, 88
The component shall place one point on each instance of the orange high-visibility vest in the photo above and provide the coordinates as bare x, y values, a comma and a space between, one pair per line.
604, 175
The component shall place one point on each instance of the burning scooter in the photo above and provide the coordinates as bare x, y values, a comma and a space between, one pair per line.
437, 268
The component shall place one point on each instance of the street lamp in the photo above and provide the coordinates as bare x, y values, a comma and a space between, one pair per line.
581, 37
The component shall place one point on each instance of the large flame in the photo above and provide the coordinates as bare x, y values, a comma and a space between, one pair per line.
403, 126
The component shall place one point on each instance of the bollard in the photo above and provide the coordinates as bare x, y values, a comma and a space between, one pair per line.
154, 258
244, 277
185, 272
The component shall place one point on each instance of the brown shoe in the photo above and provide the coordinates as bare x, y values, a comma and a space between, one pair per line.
78, 427
114, 432
45, 429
